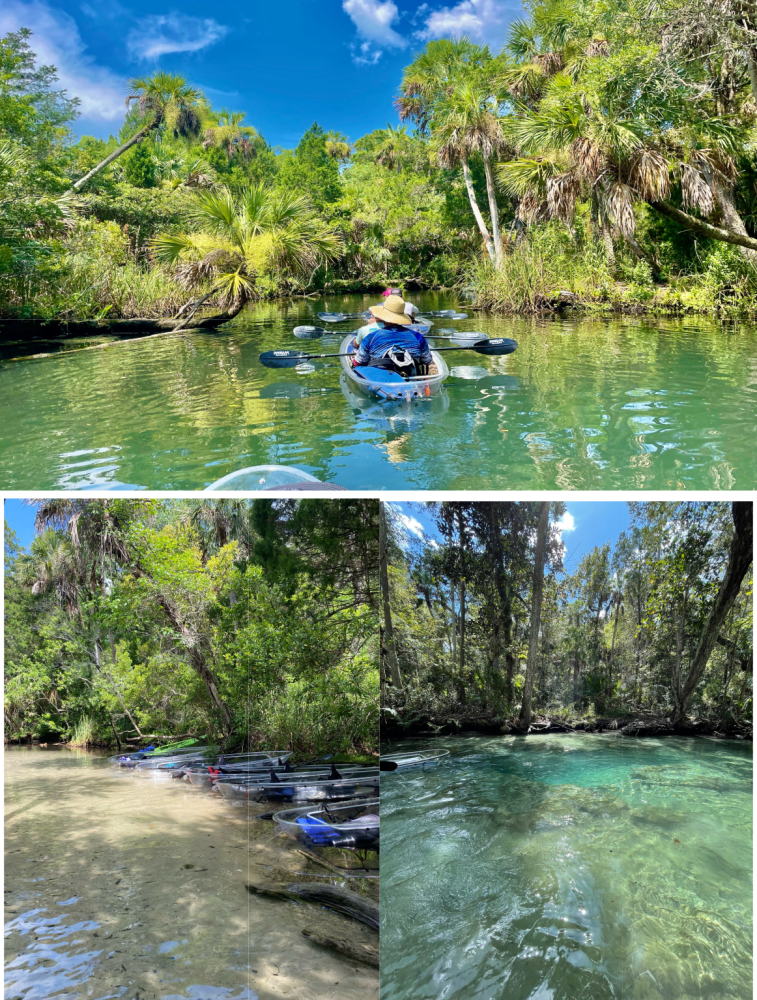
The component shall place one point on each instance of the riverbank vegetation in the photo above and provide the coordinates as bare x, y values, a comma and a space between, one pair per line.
250, 622
485, 630
606, 150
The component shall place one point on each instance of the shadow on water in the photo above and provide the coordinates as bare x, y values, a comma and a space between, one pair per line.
569, 867
582, 404
120, 885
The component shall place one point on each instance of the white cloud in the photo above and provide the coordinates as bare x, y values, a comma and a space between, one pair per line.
57, 42
566, 523
373, 20
483, 21
413, 525
160, 34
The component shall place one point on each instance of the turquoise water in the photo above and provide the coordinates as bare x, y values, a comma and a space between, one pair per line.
569, 868
625, 403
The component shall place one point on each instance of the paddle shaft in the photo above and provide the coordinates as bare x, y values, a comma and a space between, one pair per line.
350, 354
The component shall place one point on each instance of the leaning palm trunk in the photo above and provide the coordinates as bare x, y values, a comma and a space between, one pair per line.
493, 211
477, 211
730, 215
137, 137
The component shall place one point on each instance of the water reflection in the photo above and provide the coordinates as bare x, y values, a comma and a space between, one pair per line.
582, 404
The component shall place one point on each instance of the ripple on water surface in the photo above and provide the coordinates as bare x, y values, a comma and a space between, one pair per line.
569, 868
601, 404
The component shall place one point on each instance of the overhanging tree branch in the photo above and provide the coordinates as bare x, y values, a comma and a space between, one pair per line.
702, 228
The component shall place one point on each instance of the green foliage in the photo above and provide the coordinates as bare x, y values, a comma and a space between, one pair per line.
139, 169
616, 636
310, 170
171, 618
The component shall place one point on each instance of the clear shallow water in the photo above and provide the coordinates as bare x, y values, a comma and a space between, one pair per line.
626, 403
118, 885
569, 868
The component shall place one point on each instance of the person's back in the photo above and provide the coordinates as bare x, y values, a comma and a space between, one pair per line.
391, 344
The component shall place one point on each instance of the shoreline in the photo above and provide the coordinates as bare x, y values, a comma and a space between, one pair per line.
630, 726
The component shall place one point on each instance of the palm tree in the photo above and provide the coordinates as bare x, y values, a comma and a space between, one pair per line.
431, 74
227, 131
238, 239
219, 522
52, 567
391, 146
465, 121
338, 146
164, 99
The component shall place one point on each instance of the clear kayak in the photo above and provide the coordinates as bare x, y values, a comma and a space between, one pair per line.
302, 789
257, 478
204, 777
260, 760
413, 758
390, 385
349, 824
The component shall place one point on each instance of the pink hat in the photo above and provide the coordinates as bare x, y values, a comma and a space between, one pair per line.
390, 291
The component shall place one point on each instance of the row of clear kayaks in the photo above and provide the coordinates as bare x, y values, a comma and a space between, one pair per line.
338, 804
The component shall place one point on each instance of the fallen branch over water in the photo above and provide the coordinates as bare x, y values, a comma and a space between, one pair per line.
360, 953
341, 900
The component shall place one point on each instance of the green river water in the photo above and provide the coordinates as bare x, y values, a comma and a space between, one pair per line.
569, 868
582, 404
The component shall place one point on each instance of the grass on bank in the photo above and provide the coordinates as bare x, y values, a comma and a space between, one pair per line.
549, 260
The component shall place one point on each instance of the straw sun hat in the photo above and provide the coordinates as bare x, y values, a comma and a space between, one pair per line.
392, 311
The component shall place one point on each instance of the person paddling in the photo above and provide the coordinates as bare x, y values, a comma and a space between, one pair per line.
389, 343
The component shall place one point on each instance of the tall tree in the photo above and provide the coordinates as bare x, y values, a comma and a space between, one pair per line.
739, 560
388, 646
536, 598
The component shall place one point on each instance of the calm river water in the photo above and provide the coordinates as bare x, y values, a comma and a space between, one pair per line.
118, 885
569, 868
582, 404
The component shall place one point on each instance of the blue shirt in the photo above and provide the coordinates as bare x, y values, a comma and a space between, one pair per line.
376, 343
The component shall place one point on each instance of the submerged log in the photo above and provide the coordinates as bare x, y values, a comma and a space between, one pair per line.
47, 329
358, 952
341, 900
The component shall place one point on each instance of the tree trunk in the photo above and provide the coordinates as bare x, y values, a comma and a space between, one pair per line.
491, 192
752, 64
454, 624
739, 561
612, 648
200, 666
462, 628
730, 214
642, 254
477, 211
702, 228
609, 245
536, 596
137, 137
391, 653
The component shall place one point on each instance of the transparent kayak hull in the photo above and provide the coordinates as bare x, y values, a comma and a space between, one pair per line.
243, 763
262, 477
409, 390
349, 824
301, 790
416, 758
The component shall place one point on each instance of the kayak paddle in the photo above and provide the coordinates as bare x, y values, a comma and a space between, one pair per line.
289, 359
316, 332
388, 765
327, 317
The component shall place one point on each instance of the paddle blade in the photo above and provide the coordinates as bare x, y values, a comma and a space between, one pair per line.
497, 345
283, 359
387, 765
332, 317
309, 332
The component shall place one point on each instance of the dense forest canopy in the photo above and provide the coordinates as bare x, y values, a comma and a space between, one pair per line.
254, 622
601, 148
658, 621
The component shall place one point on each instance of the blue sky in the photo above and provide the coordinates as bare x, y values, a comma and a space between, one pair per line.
586, 524
286, 64
20, 518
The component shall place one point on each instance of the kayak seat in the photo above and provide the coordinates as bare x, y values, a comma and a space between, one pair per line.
379, 374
